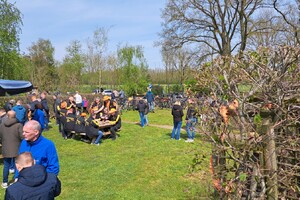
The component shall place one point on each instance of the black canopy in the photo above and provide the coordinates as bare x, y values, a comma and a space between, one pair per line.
12, 87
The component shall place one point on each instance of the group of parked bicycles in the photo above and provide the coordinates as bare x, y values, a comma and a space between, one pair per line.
160, 101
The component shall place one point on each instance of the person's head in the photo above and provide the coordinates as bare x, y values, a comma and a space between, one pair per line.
97, 100
2, 111
43, 95
24, 160
106, 98
12, 101
31, 130
112, 111
177, 103
71, 99
11, 114
19, 102
33, 97
38, 106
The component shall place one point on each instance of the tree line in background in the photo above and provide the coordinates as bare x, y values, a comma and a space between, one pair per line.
85, 63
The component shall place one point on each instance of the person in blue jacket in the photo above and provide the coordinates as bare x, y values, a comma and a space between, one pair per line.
34, 182
42, 149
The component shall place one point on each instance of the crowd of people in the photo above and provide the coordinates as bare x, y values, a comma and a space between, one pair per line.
75, 116
28, 153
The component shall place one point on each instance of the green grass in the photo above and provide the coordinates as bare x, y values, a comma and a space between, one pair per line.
143, 163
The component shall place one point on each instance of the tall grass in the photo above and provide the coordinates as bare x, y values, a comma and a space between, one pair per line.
143, 163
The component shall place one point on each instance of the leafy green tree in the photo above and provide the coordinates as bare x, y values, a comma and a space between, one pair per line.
134, 69
44, 74
71, 69
10, 22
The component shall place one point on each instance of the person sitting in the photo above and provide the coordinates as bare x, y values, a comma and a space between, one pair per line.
96, 107
33, 181
68, 122
92, 129
79, 126
115, 121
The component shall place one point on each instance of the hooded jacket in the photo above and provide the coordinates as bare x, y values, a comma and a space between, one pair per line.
11, 134
177, 113
21, 113
141, 106
34, 183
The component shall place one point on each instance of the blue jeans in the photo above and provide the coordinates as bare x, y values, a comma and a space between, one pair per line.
190, 128
176, 130
151, 106
7, 162
100, 134
142, 119
146, 119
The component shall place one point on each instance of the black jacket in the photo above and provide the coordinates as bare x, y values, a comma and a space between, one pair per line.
177, 113
68, 121
141, 106
191, 112
80, 125
91, 128
34, 183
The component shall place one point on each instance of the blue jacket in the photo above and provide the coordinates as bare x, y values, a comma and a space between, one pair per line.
34, 183
21, 113
149, 97
39, 116
44, 153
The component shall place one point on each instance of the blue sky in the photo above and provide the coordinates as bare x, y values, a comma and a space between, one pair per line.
132, 22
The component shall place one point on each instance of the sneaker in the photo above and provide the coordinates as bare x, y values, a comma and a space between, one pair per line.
188, 140
11, 171
98, 144
191, 140
4, 185
179, 139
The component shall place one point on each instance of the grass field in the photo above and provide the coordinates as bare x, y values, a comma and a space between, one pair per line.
143, 163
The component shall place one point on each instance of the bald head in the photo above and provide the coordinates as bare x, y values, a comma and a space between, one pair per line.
11, 114
31, 130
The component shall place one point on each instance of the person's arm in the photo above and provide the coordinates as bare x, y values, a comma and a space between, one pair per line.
113, 122
53, 163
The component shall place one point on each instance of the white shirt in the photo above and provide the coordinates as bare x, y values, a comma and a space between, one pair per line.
78, 98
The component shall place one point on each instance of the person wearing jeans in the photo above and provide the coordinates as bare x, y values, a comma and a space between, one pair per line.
191, 120
190, 129
11, 135
141, 108
97, 141
177, 113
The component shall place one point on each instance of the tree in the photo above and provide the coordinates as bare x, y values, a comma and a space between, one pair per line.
223, 25
10, 22
290, 13
134, 69
95, 59
41, 56
71, 69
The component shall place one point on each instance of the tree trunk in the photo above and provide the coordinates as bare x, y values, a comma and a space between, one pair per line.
270, 159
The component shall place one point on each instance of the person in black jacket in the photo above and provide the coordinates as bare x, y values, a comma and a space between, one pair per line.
177, 113
141, 106
115, 120
46, 110
33, 181
92, 130
68, 122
